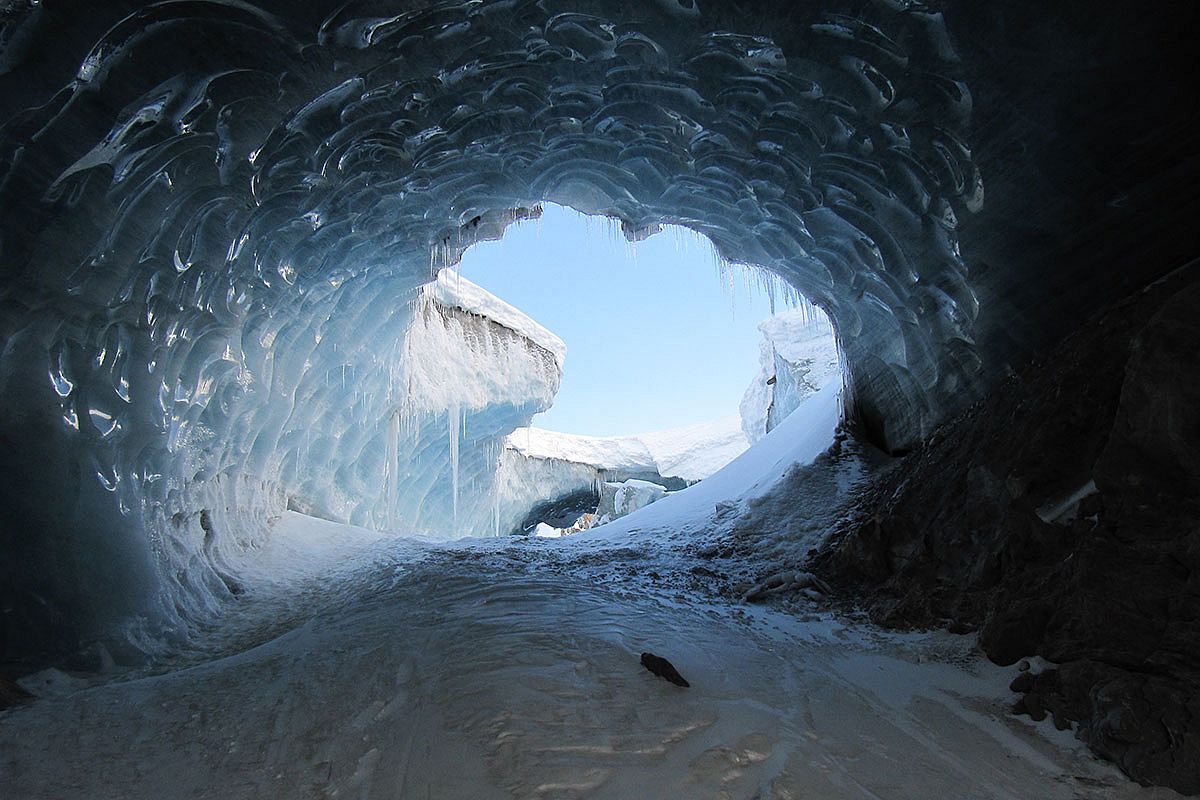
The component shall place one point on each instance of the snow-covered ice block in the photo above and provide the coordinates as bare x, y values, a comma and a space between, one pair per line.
621, 499
689, 453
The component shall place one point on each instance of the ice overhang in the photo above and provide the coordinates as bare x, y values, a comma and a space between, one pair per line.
217, 214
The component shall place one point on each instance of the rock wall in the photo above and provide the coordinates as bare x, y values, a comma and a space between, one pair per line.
1060, 517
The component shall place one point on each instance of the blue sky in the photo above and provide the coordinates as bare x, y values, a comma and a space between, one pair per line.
653, 340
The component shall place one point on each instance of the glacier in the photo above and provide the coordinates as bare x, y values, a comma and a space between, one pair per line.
472, 369
680, 455
540, 465
622, 499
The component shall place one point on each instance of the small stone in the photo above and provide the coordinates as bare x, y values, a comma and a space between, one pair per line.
1033, 705
663, 669
1023, 683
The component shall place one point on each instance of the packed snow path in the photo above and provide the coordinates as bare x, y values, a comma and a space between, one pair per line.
512, 672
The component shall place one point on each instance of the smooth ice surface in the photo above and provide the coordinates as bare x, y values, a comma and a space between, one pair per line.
534, 690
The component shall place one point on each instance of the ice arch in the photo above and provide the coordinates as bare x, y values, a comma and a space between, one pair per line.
214, 228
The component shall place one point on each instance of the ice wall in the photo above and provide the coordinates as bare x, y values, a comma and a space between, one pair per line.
523, 482
798, 355
470, 370
690, 453
214, 225
622, 499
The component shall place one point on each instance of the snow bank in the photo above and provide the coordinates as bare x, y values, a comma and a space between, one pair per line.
799, 439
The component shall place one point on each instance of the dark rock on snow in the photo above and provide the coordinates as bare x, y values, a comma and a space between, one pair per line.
663, 669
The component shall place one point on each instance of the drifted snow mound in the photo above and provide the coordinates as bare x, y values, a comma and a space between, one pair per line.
696, 452
798, 440
798, 356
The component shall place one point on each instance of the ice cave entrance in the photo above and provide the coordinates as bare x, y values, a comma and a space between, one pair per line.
671, 363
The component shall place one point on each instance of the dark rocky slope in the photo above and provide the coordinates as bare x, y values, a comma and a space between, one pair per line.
977, 530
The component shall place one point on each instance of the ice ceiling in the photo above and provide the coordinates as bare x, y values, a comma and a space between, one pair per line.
215, 229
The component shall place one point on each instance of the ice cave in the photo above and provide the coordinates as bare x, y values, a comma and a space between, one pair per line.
277, 520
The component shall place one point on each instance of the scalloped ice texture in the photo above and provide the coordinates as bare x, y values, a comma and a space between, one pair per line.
214, 232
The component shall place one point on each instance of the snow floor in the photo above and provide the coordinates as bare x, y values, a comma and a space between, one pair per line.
362, 665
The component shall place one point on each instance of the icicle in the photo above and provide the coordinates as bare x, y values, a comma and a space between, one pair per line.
392, 468
455, 421
495, 509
